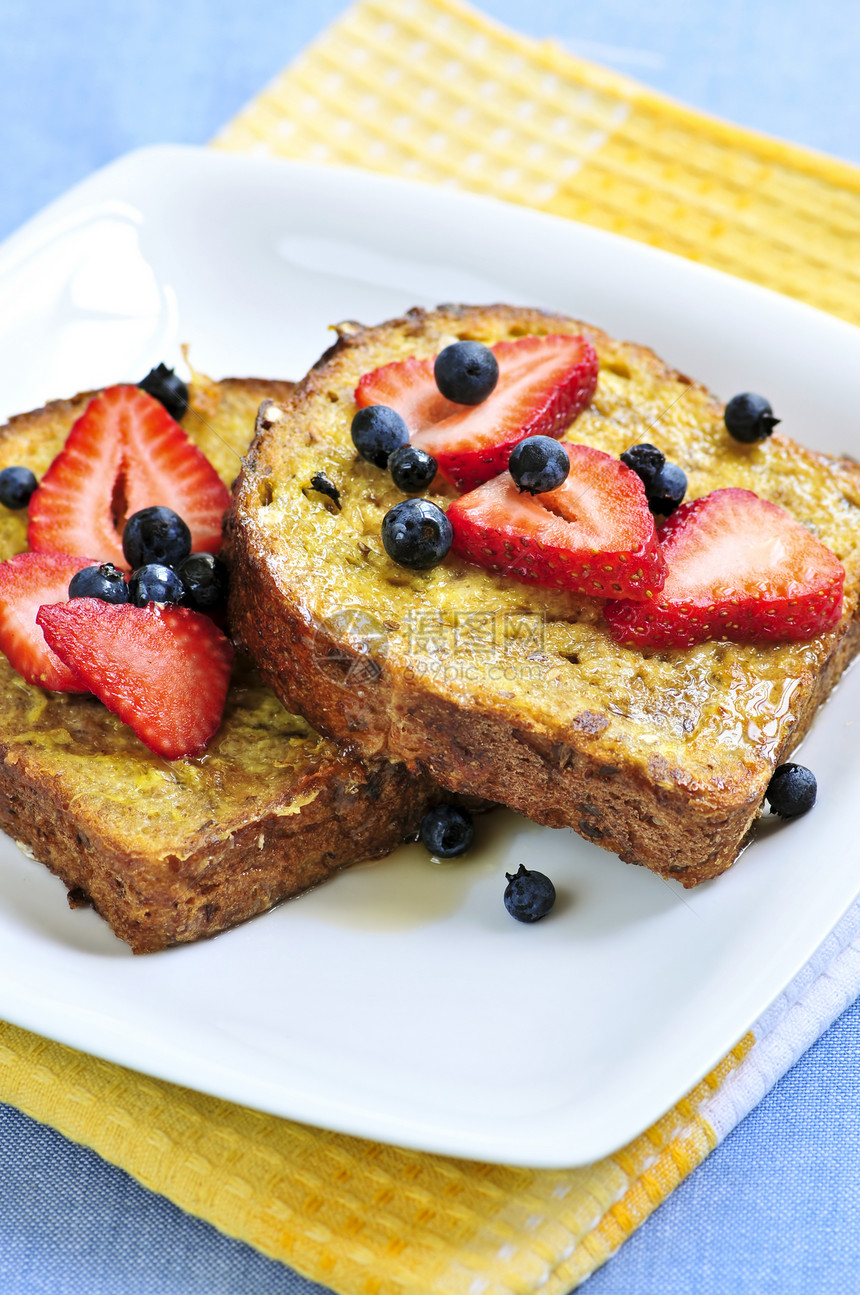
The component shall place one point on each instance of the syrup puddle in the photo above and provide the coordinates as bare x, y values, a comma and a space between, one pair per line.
411, 888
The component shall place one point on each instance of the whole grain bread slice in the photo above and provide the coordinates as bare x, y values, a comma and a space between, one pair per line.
171, 851
507, 690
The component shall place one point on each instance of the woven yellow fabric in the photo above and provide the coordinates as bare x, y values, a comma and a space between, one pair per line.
435, 91
362, 1218
486, 109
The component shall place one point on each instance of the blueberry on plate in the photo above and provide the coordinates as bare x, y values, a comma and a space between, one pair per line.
412, 470
749, 417
155, 583
169, 390
447, 831
791, 790
667, 489
103, 581
529, 896
646, 461
466, 372
416, 534
16, 487
377, 432
155, 534
538, 464
204, 579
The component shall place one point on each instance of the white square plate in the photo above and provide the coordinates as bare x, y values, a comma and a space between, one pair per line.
400, 1001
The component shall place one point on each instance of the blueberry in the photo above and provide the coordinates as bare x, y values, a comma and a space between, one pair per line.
668, 489
646, 461
103, 581
749, 417
665, 483
447, 831
416, 534
466, 372
791, 790
412, 470
155, 583
377, 432
204, 579
16, 487
528, 895
164, 386
155, 535
538, 464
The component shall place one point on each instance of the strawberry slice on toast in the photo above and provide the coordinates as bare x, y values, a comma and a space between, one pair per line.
124, 453
26, 583
409, 386
738, 568
544, 384
593, 535
164, 670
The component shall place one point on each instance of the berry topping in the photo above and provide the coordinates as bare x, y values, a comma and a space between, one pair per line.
447, 831
26, 583
102, 581
204, 579
409, 387
155, 535
466, 372
646, 461
749, 417
416, 534
738, 568
544, 384
412, 470
667, 489
377, 432
155, 583
792, 790
529, 896
593, 535
16, 487
169, 390
665, 484
538, 464
163, 670
124, 454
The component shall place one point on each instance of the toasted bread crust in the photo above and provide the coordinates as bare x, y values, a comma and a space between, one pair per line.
662, 758
659, 821
169, 852
331, 816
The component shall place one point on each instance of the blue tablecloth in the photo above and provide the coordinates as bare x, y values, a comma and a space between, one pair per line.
776, 1207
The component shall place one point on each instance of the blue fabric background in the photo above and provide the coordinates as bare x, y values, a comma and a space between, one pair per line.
776, 1208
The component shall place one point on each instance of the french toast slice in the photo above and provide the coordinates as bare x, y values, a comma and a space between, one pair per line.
171, 851
517, 692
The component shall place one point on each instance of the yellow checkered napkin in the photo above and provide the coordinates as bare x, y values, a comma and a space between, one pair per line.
430, 89
433, 90
362, 1218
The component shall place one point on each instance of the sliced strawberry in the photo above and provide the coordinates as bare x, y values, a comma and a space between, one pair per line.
544, 384
163, 670
26, 582
738, 568
409, 387
594, 535
124, 453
